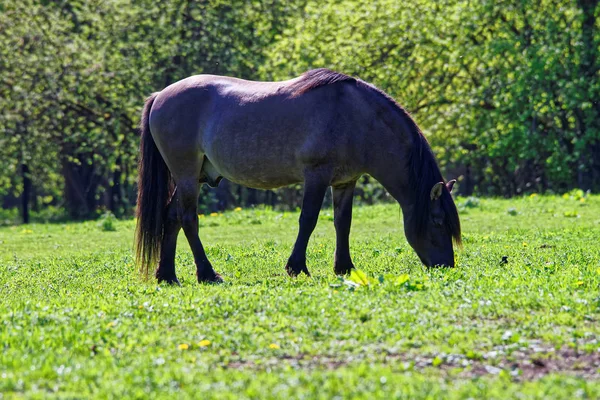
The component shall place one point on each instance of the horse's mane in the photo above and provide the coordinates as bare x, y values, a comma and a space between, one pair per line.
423, 169
424, 173
318, 77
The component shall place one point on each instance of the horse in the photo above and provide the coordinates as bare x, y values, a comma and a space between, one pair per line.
323, 129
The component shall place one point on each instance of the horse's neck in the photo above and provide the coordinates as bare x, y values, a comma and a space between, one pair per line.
392, 155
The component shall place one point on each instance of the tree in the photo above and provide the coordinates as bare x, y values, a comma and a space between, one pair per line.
77, 73
506, 90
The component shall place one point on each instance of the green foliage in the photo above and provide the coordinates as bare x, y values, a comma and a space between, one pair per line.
506, 90
107, 222
470, 202
75, 74
78, 322
48, 214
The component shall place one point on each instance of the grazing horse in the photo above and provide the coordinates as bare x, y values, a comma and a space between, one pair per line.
323, 129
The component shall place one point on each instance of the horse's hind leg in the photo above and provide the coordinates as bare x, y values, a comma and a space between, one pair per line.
315, 185
187, 209
166, 265
342, 219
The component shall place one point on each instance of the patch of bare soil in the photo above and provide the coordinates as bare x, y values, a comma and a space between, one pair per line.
536, 361
522, 362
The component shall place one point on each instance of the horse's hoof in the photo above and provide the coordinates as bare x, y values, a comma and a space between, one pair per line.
173, 281
294, 271
216, 279
343, 269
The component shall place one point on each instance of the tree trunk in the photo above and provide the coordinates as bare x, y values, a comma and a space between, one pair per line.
251, 200
26, 193
588, 68
81, 184
116, 192
468, 186
224, 197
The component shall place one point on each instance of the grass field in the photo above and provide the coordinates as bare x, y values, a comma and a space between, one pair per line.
77, 321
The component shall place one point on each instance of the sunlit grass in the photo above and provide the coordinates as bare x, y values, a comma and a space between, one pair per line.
78, 321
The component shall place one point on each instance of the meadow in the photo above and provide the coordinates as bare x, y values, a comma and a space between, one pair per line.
518, 317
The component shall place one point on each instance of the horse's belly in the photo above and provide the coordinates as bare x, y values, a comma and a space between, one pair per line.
267, 172
265, 182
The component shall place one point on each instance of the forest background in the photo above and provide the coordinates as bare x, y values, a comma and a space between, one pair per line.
507, 92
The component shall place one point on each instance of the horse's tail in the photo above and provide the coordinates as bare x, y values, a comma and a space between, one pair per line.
154, 190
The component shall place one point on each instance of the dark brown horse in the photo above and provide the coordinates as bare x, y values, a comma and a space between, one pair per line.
322, 128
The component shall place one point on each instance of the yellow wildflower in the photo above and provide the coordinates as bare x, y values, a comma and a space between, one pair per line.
237, 209
214, 214
183, 346
204, 343
273, 346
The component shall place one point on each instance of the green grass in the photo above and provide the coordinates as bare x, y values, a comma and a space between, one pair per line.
78, 322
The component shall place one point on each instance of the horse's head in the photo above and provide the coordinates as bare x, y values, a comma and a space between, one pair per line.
431, 234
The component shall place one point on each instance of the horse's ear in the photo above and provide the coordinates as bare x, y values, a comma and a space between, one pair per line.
436, 191
450, 185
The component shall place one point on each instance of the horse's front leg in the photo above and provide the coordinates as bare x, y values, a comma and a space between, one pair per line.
316, 182
342, 219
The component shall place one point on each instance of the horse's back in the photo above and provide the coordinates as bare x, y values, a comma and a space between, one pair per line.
198, 101
260, 134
